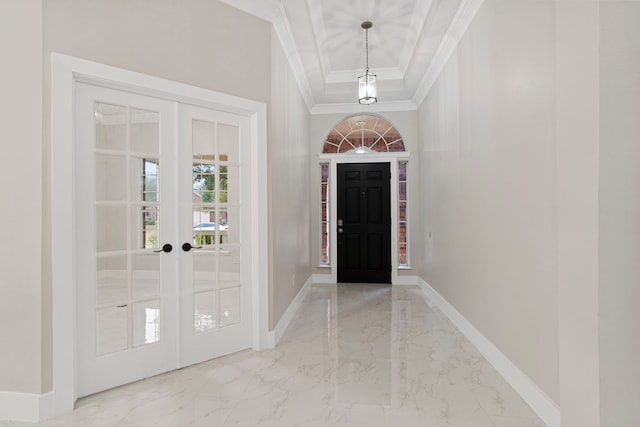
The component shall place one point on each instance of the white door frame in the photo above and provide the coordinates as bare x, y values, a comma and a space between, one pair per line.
67, 71
335, 159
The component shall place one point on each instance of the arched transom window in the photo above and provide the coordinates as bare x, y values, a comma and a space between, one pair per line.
363, 134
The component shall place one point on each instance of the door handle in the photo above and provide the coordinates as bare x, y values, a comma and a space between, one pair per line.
165, 248
187, 247
340, 230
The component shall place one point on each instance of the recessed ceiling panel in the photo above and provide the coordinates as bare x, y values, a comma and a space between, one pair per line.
408, 44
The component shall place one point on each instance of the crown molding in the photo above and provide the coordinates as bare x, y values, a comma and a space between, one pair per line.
274, 12
315, 16
355, 108
349, 76
419, 16
461, 21
282, 28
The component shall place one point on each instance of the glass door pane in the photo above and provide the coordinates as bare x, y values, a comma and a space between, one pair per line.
127, 150
215, 207
213, 291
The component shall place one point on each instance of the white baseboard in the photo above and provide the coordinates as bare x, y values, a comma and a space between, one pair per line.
405, 280
287, 317
322, 278
19, 406
25, 407
396, 279
542, 404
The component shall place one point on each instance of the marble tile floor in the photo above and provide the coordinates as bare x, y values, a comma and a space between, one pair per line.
354, 355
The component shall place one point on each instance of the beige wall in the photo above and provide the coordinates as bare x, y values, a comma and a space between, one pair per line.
406, 123
200, 42
21, 183
529, 171
288, 153
620, 213
487, 135
577, 154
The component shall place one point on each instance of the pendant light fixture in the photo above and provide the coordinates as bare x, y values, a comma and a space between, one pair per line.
367, 81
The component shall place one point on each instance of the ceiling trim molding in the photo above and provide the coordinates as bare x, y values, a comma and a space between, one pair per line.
315, 16
280, 23
461, 21
274, 12
419, 16
355, 108
350, 76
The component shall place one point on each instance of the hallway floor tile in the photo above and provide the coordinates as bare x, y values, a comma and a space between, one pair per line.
354, 355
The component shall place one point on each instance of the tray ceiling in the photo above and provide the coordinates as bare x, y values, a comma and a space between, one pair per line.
409, 43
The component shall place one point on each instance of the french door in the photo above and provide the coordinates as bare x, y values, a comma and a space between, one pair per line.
158, 217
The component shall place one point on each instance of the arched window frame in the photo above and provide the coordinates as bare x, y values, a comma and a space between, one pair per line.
398, 160
363, 134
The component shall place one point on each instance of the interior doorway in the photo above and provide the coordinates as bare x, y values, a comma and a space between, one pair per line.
364, 223
159, 214
67, 243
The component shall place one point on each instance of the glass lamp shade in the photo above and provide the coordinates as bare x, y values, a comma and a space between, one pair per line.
367, 88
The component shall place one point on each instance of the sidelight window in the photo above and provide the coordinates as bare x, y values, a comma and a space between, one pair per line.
324, 214
403, 219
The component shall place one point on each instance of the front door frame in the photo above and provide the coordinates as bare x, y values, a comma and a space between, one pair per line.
334, 159
66, 71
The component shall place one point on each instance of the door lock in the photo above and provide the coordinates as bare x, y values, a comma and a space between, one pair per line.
165, 248
187, 247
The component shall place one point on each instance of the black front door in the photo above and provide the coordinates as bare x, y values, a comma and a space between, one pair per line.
364, 223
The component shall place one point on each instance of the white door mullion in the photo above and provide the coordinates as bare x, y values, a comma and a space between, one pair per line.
129, 225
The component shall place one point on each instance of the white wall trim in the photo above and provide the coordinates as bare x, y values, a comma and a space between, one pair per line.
355, 108
461, 21
25, 407
66, 71
281, 26
291, 311
542, 404
260, 203
275, 13
406, 280
321, 278
334, 161
19, 406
